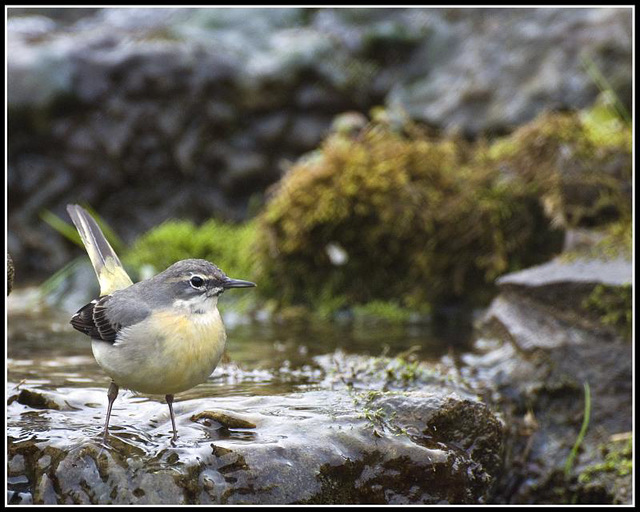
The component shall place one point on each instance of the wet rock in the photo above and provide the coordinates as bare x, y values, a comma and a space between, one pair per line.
539, 344
36, 400
430, 445
337, 428
224, 419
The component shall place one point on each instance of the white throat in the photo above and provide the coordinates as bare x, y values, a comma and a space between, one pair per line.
201, 304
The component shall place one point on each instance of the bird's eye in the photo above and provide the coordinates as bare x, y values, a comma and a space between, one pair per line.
196, 282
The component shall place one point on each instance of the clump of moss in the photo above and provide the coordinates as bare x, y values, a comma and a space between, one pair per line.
613, 306
226, 245
578, 162
616, 241
417, 220
618, 460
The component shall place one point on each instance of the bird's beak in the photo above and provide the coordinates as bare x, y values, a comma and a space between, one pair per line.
237, 283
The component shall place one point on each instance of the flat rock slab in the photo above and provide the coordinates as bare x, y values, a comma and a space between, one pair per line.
562, 295
616, 272
436, 445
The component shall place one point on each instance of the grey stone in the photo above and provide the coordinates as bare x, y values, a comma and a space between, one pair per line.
490, 69
538, 348
16, 465
616, 272
305, 133
270, 128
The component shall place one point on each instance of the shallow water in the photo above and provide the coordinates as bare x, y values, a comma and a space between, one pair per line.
261, 358
279, 394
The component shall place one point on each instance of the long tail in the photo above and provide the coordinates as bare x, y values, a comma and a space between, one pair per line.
111, 274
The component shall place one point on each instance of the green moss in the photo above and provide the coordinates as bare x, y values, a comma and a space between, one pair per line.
604, 127
618, 460
420, 220
383, 374
613, 305
406, 371
578, 162
226, 245
618, 239
378, 417
616, 242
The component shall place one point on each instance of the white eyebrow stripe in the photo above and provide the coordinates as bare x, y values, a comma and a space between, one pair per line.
189, 276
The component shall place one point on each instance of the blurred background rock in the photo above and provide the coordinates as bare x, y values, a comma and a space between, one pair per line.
153, 114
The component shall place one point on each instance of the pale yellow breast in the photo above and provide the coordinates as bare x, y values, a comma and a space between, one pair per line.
193, 342
167, 353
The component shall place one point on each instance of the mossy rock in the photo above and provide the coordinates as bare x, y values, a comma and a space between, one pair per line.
579, 163
617, 460
613, 307
417, 220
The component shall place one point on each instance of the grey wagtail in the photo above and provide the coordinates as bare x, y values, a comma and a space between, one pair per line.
160, 336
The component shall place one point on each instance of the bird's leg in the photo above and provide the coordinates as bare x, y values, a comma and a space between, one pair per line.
111, 394
169, 399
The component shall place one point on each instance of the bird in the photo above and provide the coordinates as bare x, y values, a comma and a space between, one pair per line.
159, 336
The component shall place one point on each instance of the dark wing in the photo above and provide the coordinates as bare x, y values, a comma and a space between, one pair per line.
92, 320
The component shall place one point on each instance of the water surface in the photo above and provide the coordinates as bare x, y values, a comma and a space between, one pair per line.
261, 357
